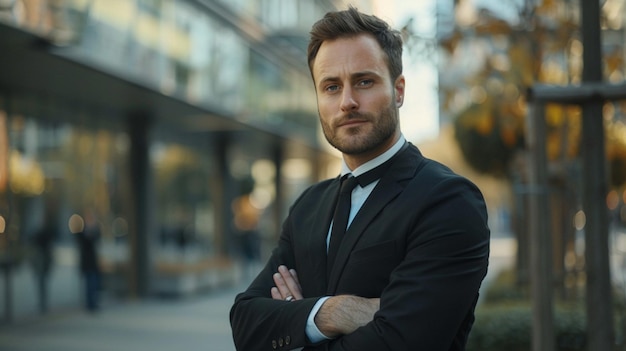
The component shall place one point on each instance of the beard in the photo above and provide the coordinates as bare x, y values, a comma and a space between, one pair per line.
357, 141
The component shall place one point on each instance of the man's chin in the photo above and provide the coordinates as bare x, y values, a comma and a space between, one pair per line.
354, 148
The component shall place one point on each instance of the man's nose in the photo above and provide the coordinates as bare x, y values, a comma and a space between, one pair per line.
348, 100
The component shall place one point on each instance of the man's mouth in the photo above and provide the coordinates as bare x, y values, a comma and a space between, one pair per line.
350, 122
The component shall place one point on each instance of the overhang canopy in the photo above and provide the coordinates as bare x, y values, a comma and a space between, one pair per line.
36, 73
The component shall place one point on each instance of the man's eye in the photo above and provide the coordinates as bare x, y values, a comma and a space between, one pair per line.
332, 88
365, 82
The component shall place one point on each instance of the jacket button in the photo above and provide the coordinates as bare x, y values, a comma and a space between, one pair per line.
280, 342
287, 340
274, 346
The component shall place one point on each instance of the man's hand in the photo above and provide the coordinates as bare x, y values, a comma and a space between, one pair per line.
287, 285
343, 314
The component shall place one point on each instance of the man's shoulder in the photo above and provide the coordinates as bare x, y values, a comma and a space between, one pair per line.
431, 173
425, 167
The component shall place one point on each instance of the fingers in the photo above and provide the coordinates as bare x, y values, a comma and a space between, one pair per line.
287, 285
294, 275
276, 294
291, 280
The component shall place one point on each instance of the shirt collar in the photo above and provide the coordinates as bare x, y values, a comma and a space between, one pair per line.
380, 159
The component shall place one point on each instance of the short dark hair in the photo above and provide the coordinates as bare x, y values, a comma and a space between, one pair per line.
350, 23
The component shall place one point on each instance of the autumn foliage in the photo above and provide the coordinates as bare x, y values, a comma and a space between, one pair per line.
490, 64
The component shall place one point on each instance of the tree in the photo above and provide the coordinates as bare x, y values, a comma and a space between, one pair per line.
489, 63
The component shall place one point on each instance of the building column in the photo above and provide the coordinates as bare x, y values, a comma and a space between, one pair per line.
278, 154
142, 206
223, 194
6, 262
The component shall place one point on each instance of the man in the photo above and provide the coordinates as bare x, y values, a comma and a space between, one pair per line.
407, 272
87, 239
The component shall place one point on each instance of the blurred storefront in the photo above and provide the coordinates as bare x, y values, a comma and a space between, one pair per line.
157, 114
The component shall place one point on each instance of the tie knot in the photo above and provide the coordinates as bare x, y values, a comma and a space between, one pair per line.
373, 174
348, 183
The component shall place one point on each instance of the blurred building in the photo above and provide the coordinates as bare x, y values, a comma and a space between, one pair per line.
157, 114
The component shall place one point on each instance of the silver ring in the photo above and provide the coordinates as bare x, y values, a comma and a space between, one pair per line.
289, 298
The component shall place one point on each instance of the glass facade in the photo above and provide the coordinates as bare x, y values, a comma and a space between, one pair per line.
55, 171
182, 49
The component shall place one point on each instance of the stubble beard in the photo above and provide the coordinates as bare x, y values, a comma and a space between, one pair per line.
384, 127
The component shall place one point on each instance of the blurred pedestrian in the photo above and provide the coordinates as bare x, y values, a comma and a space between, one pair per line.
87, 239
246, 222
405, 274
42, 259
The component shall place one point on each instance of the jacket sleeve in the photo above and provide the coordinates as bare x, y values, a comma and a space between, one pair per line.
259, 322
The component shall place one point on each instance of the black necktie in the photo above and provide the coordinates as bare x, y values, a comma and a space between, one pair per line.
340, 219
344, 203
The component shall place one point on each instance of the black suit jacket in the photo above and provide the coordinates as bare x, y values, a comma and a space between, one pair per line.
420, 243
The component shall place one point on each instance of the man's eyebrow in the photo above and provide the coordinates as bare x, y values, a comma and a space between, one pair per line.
363, 74
329, 78
353, 76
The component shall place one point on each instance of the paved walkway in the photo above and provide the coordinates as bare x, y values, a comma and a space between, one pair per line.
191, 323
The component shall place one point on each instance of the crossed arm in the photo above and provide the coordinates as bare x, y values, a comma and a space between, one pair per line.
339, 315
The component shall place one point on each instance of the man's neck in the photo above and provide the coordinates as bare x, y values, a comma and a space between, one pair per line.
373, 161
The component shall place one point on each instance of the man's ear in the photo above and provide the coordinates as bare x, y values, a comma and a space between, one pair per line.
399, 90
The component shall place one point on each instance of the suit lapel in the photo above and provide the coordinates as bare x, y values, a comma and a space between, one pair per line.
389, 186
317, 240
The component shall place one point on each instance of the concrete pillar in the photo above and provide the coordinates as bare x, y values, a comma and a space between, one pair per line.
7, 266
223, 194
142, 195
277, 158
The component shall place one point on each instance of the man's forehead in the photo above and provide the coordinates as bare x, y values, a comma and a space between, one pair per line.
351, 54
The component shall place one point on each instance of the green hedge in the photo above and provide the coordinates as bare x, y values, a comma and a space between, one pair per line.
509, 326
504, 319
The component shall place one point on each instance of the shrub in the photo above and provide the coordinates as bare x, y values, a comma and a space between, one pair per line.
504, 319
508, 327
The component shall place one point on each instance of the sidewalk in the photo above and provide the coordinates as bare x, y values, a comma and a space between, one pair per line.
191, 323
198, 322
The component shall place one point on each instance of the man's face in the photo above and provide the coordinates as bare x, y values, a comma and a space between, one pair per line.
357, 102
